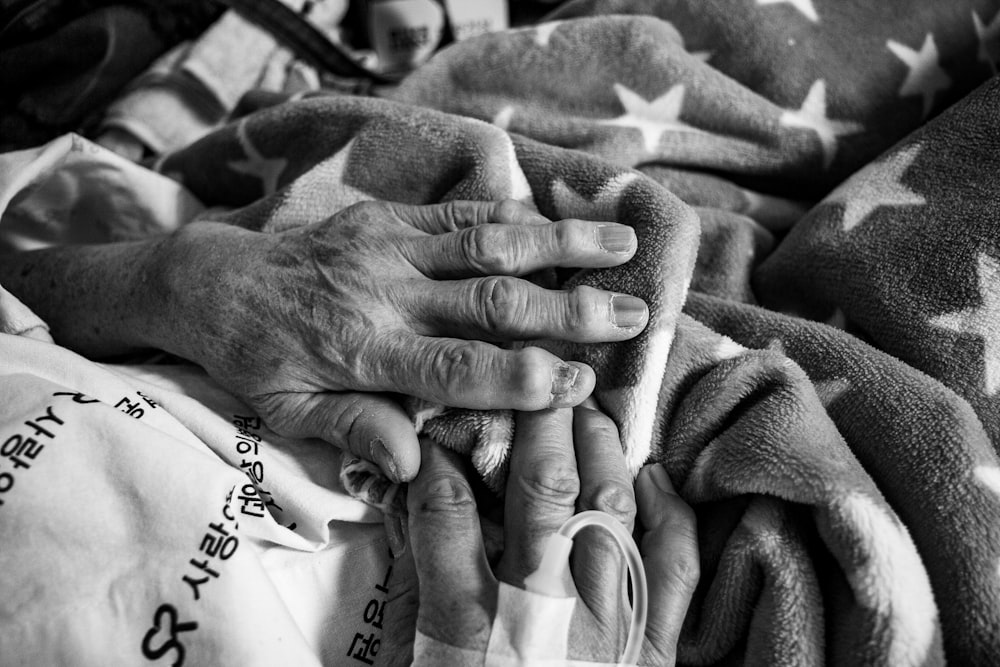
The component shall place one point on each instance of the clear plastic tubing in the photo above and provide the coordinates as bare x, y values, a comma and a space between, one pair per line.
548, 578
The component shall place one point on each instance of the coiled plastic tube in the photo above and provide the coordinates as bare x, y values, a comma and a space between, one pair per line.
548, 578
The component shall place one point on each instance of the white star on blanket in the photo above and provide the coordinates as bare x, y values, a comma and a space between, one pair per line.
829, 391
503, 117
323, 188
517, 184
838, 320
812, 116
268, 170
604, 205
651, 118
924, 76
897, 585
878, 184
989, 476
804, 6
988, 36
543, 32
727, 348
982, 321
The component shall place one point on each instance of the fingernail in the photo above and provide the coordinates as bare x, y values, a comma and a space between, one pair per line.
615, 238
384, 459
627, 311
563, 378
658, 475
394, 534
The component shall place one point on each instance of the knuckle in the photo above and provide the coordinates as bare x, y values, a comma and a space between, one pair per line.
553, 484
616, 499
485, 249
453, 215
508, 211
343, 420
532, 377
583, 311
366, 209
444, 494
564, 236
457, 366
501, 301
599, 424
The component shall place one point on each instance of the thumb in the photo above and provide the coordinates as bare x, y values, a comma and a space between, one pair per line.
670, 556
401, 607
371, 426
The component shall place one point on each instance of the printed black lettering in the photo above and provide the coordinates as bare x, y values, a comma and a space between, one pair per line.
154, 650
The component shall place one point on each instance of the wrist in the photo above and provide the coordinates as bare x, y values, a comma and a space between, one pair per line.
160, 282
197, 288
181, 286
97, 299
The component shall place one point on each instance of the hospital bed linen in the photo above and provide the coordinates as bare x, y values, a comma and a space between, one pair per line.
813, 189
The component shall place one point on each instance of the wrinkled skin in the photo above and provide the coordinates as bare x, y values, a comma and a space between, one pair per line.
317, 327
564, 461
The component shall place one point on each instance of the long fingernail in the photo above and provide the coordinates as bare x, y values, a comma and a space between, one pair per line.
615, 238
563, 378
627, 311
384, 459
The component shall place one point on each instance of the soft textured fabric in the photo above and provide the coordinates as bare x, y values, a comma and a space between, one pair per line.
819, 254
146, 515
61, 63
192, 89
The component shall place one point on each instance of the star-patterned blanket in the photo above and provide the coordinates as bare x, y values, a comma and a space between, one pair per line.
813, 187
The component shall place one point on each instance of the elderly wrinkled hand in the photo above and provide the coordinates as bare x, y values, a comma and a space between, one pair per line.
314, 325
564, 461
387, 297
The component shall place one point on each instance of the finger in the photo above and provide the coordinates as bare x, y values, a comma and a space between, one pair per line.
505, 308
670, 556
399, 622
473, 374
455, 215
489, 250
542, 489
371, 426
457, 589
605, 485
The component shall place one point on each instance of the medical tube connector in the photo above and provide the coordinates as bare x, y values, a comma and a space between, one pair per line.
550, 577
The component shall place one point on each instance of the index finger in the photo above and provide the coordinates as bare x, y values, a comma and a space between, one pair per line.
670, 556
606, 486
542, 488
457, 589
459, 214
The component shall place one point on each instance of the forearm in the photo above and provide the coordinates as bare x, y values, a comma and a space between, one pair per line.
100, 300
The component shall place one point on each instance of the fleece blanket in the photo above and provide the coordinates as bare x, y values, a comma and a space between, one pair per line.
812, 186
